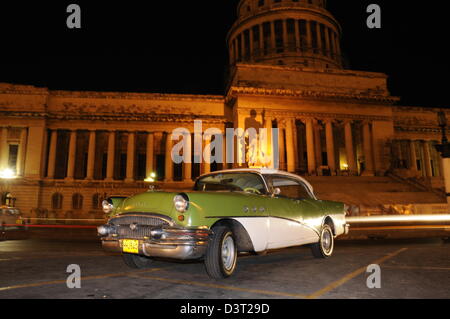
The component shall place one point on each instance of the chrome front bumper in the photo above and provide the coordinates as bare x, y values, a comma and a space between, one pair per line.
182, 244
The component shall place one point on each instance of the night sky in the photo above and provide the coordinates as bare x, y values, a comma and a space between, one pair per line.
179, 46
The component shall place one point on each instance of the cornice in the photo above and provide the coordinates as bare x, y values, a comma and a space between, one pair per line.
135, 96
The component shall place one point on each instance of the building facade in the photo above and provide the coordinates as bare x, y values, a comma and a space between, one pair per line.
68, 150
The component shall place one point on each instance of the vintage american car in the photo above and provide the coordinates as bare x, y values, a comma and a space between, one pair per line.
226, 213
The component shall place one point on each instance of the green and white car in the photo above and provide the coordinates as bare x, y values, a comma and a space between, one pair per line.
227, 212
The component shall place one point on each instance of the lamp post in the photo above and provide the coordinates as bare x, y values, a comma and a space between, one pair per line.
444, 150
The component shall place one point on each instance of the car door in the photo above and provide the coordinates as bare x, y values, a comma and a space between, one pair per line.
291, 212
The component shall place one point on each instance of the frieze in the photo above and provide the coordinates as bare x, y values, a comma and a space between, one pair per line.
435, 130
321, 116
315, 94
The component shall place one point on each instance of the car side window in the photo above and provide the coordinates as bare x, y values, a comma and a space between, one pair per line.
290, 188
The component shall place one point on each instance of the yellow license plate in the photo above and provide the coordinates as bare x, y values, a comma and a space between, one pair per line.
130, 246
19, 222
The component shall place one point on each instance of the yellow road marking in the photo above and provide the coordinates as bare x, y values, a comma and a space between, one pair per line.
57, 282
352, 275
233, 288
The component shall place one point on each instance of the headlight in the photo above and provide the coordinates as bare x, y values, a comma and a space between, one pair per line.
107, 206
181, 202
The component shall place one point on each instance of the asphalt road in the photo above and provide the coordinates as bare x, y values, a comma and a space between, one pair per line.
409, 269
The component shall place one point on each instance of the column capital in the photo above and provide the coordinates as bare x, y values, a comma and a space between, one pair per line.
347, 121
329, 121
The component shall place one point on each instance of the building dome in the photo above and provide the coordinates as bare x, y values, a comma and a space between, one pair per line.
285, 32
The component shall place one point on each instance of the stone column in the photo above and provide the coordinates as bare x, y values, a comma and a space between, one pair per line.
111, 155
272, 38
72, 154
327, 41
261, 40
285, 35
187, 166
296, 151
242, 46
351, 162
22, 152
319, 38
369, 170
169, 162
4, 149
337, 45
207, 154
224, 151
331, 155
52, 155
310, 146
427, 159
252, 48
281, 145
290, 148
309, 36
297, 36
318, 144
131, 150
268, 149
150, 154
91, 156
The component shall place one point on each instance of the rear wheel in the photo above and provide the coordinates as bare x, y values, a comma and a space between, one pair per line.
324, 248
137, 261
221, 255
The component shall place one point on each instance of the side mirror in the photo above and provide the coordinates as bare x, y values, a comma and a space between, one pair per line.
276, 191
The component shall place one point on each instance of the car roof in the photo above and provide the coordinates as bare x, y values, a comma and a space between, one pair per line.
264, 171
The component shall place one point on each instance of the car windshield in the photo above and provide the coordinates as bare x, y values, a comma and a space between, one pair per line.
240, 182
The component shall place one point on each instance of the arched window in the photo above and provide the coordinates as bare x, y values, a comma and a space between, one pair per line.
57, 201
97, 201
77, 201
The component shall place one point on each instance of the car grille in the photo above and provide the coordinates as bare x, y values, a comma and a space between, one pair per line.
143, 225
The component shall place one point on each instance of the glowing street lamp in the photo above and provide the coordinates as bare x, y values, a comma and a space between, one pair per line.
151, 178
7, 173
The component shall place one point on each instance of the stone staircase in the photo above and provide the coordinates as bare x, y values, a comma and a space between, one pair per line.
374, 191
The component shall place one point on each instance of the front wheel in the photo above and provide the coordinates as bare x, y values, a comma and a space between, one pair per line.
221, 255
136, 261
324, 248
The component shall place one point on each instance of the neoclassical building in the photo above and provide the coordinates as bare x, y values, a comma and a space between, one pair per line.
67, 150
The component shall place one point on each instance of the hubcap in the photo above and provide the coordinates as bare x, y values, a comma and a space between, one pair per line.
327, 242
228, 252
